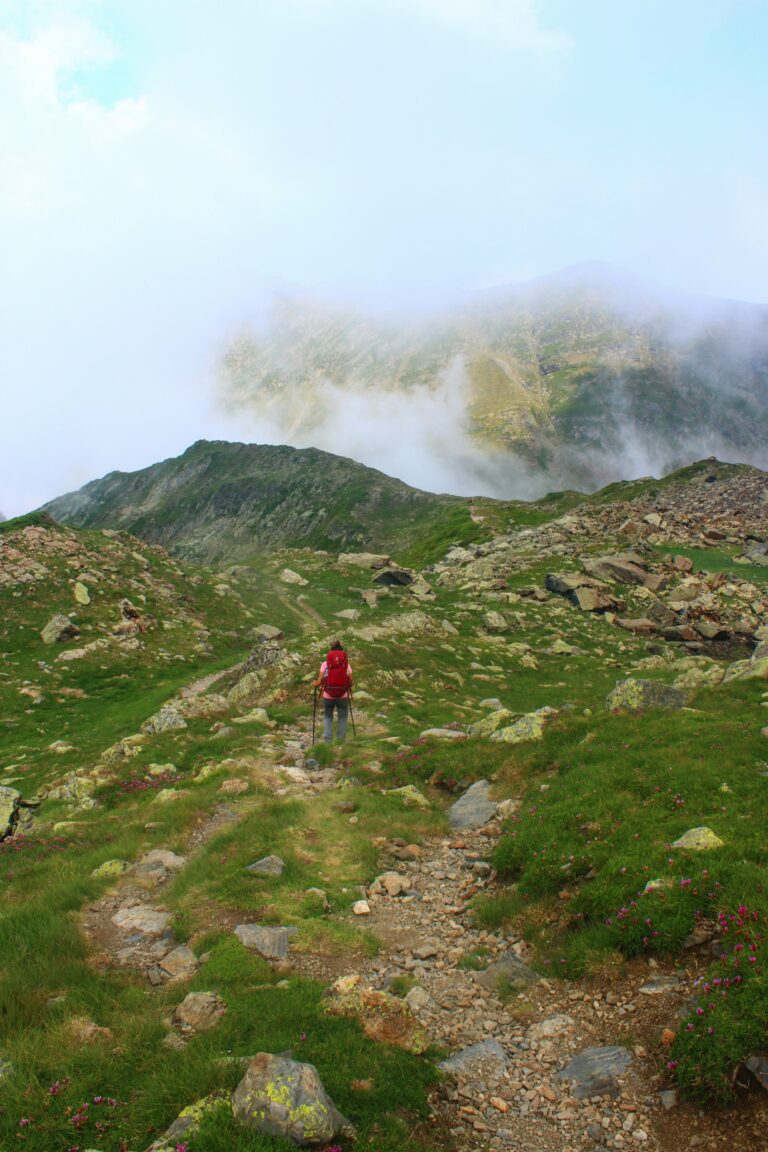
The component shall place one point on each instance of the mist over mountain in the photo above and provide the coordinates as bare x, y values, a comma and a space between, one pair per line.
571, 380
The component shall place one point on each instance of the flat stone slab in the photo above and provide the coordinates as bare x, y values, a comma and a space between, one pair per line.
486, 1059
594, 1072
661, 984
271, 943
474, 809
267, 866
442, 734
142, 918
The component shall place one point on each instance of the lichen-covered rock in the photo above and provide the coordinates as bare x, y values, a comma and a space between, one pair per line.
489, 724
474, 809
188, 1122
528, 727
747, 670
166, 720
82, 595
639, 695
698, 840
58, 629
76, 790
9, 806
410, 796
284, 1098
695, 678
110, 869
384, 1018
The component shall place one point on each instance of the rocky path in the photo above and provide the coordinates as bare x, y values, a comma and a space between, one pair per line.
504, 1091
535, 1064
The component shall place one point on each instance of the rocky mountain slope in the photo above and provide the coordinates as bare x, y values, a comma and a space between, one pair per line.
222, 501
572, 380
543, 851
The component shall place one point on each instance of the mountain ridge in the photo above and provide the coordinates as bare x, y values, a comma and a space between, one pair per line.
221, 500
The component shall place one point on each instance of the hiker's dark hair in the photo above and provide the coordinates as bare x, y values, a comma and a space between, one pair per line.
337, 646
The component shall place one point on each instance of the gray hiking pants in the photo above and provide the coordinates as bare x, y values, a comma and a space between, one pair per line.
342, 708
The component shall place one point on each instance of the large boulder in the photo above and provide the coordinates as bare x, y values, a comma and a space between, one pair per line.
280, 1097
474, 809
640, 695
584, 591
58, 629
619, 568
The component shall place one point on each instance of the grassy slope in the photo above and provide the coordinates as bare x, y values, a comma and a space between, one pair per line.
609, 792
222, 502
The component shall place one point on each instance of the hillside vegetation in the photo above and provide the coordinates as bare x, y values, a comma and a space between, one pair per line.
224, 502
548, 699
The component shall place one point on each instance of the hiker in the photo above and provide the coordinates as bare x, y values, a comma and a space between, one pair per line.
335, 678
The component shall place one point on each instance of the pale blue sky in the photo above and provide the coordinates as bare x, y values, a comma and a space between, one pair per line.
162, 162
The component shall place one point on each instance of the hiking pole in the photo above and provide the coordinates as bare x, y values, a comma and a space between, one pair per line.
351, 714
314, 713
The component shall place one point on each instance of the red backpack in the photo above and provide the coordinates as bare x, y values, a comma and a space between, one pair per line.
336, 678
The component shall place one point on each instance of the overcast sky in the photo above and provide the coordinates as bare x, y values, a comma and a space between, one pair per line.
162, 161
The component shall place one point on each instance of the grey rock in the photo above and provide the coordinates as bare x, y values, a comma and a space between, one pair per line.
280, 1097
594, 1071
508, 969
484, 1060
267, 866
474, 809
668, 1098
271, 943
758, 1066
